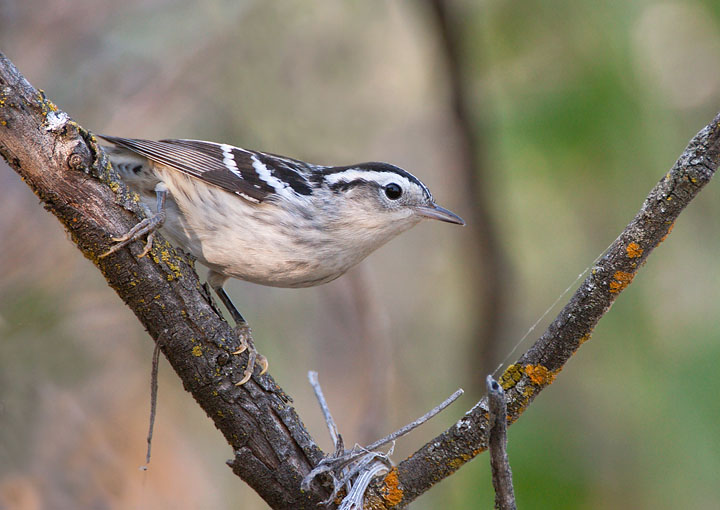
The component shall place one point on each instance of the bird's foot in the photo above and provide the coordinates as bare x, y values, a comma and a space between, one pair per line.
148, 226
254, 358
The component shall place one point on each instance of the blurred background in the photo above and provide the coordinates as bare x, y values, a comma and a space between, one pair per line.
543, 123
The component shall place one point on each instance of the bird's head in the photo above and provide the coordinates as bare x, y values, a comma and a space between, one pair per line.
382, 200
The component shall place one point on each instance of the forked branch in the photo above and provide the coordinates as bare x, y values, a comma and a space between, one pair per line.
65, 167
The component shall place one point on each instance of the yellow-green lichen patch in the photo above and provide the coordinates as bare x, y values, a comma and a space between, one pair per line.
528, 392
46, 105
197, 351
169, 260
518, 406
511, 376
633, 250
620, 280
457, 462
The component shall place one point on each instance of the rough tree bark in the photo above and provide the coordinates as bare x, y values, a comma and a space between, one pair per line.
65, 167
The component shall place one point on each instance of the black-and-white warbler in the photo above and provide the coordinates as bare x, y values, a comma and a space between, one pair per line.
265, 218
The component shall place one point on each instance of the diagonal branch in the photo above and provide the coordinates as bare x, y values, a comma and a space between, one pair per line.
64, 166
539, 366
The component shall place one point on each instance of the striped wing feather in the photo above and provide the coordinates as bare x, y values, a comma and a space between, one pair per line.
212, 163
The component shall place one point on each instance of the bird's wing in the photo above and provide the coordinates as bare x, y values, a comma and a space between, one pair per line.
253, 175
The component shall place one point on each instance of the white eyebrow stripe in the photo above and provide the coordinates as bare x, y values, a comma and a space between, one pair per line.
382, 178
280, 187
229, 159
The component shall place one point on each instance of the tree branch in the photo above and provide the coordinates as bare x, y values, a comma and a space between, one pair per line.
497, 443
65, 167
539, 366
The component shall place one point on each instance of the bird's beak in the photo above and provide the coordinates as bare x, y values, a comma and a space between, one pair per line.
435, 212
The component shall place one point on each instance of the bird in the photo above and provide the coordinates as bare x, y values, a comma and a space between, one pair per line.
265, 218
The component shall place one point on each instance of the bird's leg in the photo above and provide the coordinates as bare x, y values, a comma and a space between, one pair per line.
245, 336
147, 226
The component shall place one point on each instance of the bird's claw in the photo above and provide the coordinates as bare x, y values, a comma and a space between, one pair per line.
254, 357
148, 226
148, 244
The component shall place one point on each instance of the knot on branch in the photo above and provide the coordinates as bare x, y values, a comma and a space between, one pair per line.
78, 159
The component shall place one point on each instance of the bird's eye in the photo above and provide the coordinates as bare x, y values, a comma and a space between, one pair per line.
393, 191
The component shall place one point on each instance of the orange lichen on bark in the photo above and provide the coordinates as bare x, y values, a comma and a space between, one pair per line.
633, 250
584, 338
539, 375
621, 279
668, 232
392, 493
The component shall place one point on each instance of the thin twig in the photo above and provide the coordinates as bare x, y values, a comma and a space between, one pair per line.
354, 499
344, 468
332, 427
343, 459
355, 469
499, 463
410, 426
153, 399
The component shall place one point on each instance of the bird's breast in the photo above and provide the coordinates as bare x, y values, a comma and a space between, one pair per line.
266, 243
